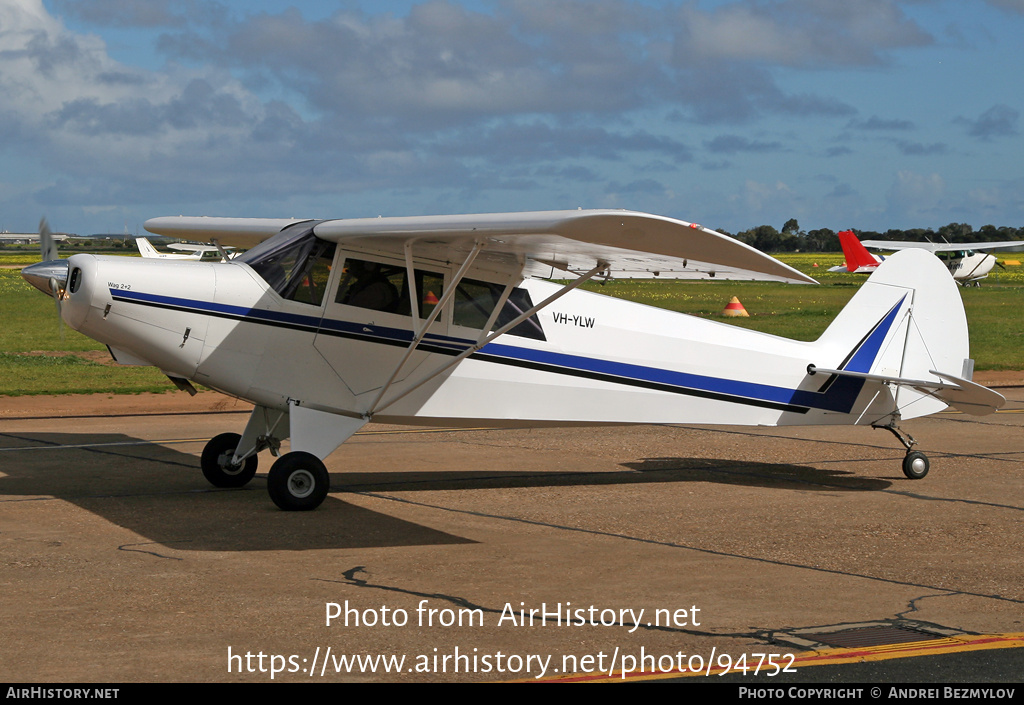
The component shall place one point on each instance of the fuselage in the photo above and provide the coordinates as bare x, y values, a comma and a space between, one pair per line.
967, 265
586, 358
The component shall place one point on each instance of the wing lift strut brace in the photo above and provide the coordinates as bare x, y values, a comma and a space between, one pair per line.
266, 429
379, 404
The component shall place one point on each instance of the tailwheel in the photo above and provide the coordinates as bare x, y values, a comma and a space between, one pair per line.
217, 466
298, 481
915, 464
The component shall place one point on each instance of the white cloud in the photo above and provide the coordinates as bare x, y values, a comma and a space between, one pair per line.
807, 33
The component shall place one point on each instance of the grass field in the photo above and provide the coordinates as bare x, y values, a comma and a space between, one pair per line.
30, 335
30, 331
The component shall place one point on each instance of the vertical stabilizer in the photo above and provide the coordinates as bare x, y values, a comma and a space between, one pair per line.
145, 248
858, 259
905, 322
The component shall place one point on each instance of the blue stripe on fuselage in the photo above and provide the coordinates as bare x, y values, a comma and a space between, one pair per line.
838, 396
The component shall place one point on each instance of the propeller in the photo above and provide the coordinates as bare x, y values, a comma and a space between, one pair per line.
47, 245
51, 275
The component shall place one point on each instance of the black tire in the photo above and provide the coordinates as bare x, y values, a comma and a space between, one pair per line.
216, 462
915, 465
298, 482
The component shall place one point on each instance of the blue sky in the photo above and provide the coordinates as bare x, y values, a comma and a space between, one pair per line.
869, 114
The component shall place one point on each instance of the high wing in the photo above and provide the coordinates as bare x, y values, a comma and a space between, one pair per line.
938, 246
546, 244
234, 232
191, 247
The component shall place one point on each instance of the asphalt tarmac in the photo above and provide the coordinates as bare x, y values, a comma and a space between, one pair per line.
643, 553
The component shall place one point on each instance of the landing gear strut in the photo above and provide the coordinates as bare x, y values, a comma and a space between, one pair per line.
915, 463
298, 481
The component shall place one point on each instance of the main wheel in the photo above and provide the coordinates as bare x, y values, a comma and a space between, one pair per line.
217, 466
298, 482
915, 464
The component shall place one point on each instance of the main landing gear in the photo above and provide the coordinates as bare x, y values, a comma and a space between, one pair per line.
297, 481
915, 463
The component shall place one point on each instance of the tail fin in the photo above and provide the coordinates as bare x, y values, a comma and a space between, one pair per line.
900, 346
145, 248
857, 256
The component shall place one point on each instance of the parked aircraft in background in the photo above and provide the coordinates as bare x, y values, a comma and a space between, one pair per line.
967, 262
858, 259
197, 252
326, 325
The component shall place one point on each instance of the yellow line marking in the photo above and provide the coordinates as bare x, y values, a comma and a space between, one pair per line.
825, 657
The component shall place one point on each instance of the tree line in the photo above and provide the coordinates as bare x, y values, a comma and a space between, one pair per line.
793, 239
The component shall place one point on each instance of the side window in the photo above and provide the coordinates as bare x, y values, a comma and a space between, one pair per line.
384, 287
475, 301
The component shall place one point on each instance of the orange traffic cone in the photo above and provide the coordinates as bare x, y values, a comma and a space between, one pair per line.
734, 308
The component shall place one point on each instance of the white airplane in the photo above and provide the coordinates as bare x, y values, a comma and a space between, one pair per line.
444, 320
197, 252
968, 266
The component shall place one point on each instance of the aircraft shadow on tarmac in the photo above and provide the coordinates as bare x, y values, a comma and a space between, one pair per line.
672, 470
159, 492
774, 475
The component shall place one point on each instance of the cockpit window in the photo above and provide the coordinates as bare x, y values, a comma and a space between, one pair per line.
295, 263
384, 287
475, 301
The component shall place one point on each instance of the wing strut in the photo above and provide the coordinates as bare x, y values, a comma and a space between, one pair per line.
422, 330
485, 339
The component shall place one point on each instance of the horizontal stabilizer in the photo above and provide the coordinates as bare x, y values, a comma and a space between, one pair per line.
969, 397
964, 395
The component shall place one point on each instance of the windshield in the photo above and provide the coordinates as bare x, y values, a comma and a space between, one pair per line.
295, 263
